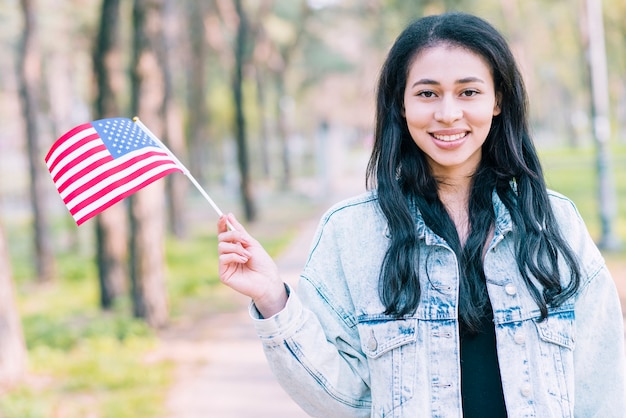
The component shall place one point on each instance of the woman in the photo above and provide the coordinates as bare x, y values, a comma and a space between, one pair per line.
458, 285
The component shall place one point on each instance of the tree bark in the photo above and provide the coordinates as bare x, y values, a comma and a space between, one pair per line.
147, 217
263, 124
199, 116
240, 121
13, 354
284, 101
173, 134
112, 224
29, 76
601, 125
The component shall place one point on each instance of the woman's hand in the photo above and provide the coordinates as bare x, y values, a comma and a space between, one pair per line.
246, 267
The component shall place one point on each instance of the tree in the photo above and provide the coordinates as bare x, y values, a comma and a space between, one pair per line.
286, 47
147, 217
112, 224
240, 121
198, 114
601, 123
12, 348
29, 79
173, 134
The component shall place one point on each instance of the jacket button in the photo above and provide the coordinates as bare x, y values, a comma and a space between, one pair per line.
510, 289
372, 344
526, 390
519, 338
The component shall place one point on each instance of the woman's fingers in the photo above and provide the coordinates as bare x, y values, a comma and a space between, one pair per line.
238, 234
230, 248
229, 223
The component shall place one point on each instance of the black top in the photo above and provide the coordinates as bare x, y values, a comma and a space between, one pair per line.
481, 384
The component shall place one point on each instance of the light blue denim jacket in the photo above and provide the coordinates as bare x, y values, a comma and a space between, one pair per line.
337, 355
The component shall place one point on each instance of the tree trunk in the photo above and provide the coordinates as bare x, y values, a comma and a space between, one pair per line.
147, 217
13, 354
240, 121
29, 76
282, 111
173, 134
601, 125
112, 224
263, 124
196, 103
284, 102
262, 55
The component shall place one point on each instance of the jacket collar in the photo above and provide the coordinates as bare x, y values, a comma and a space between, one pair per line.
503, 223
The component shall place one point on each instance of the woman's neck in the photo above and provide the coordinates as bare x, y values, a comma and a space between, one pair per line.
454, 194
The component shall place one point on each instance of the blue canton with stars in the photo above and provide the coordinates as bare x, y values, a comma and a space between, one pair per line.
122, 135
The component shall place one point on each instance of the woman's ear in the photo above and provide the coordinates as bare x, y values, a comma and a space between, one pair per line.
496, 108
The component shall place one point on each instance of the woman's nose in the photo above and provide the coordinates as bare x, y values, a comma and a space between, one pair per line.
449, 111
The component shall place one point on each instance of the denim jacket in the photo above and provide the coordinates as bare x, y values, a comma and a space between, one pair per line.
338, 355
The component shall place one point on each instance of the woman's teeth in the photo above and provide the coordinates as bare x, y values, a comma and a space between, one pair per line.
449, 138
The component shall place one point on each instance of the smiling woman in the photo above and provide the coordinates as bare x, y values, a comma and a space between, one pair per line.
449, 109
459, 285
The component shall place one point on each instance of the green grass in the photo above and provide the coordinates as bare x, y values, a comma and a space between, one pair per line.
573, 173
83, 361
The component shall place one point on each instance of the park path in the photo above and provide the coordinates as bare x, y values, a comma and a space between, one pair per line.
223, 373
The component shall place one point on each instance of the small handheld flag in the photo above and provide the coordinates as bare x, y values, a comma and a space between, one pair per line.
99, 163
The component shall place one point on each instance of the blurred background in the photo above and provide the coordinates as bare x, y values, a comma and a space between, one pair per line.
270, 104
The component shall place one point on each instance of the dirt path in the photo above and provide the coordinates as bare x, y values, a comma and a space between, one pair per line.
222, 371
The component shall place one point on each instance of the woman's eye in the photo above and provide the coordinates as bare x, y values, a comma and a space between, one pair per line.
469, 93
426, 94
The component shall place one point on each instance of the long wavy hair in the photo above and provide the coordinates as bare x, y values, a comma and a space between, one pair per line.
399, 171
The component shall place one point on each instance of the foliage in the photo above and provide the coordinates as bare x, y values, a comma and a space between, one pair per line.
82, 361
100, 375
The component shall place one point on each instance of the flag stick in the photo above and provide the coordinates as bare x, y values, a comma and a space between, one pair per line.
183, 168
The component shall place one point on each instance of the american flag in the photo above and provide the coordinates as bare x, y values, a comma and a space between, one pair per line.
99, 163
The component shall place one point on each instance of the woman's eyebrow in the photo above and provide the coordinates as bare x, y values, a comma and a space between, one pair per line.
426, 81
465, 80
470, 80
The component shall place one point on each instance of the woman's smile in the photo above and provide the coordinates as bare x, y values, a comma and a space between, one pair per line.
449, 137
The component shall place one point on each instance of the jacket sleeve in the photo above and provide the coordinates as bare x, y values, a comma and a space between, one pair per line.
599, 353
599, 357
317, 366
313, 345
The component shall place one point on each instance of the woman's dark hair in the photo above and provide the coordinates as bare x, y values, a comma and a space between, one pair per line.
509, 165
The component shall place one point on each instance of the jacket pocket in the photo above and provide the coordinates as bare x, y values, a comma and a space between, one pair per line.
558, 328
379, 337
390, 346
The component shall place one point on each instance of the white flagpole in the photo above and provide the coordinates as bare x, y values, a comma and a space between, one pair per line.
183, 168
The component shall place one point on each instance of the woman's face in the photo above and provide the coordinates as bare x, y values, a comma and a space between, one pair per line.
449, 103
